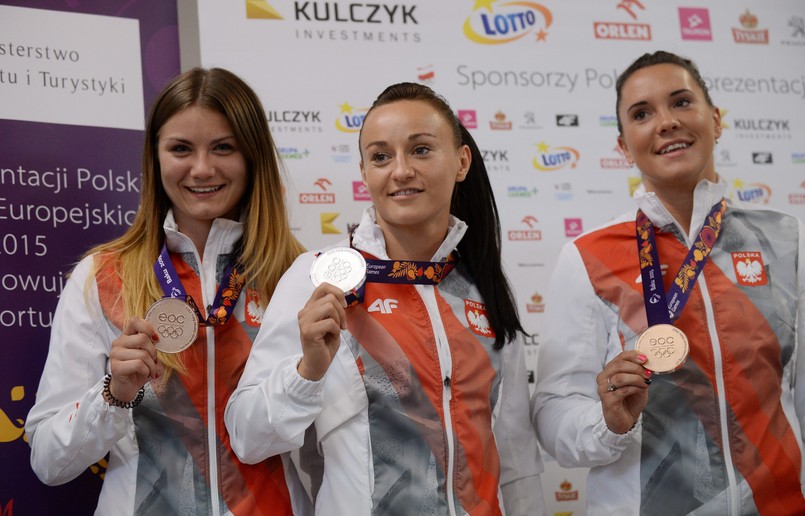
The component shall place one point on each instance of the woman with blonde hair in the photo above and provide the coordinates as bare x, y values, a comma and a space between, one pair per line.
153, 328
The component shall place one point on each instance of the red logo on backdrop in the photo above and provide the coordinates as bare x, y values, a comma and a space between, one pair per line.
573, 227
476, 316
749, 269
566, 494
619, 30
254, 311
323, 197
425, 73
750, 33
695, 24
360, 192
469, 118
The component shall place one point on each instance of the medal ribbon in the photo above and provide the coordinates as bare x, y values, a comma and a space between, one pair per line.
651, 272
401, 272
225, 298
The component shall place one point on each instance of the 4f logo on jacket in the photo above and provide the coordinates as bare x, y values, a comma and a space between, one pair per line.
384, 306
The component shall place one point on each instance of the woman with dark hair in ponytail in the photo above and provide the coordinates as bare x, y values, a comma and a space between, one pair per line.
412, 381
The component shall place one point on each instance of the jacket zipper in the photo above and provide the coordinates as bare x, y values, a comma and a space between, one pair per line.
445, 366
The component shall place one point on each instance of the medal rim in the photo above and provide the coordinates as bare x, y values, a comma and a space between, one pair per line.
677, 362
191, 314
357, 259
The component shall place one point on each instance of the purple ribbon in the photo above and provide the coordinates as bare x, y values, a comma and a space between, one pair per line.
662, 308
225, 298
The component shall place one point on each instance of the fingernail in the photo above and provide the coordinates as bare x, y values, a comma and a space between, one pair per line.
647, 373
642, 357
648, 381
156, 375
154, 337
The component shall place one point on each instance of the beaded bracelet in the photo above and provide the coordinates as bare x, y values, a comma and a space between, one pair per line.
111, 400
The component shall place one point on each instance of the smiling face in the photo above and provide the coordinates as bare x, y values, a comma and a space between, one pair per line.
202, 169
411, 162
669, 128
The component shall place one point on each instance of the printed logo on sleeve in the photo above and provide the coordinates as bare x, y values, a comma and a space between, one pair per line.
749, 269
476, 317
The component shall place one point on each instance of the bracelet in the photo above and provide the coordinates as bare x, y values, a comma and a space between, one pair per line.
111, 400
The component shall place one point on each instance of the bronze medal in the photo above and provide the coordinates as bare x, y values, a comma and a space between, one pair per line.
343, 267
665, 346
175, 323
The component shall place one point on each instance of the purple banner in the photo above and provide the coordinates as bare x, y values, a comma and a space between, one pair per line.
63, 189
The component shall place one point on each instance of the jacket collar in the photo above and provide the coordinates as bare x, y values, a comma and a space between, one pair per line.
224, 233
705, 195
369, 237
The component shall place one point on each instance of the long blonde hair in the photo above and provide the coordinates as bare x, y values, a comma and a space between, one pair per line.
268, 245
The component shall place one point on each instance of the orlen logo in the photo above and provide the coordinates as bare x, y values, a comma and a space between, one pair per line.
360, 192
350, 118
505, 22
549, 159
323, 197
530, 234
756, 193
750, 33
384, 306
619, 162
695, 24
620, 30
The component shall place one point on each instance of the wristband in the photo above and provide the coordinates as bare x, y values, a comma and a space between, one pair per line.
111, 400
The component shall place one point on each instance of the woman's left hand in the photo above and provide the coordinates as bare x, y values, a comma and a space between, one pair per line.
623, 389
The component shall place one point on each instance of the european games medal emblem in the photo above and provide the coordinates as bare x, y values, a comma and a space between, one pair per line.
342, 267
665, 346
175, 322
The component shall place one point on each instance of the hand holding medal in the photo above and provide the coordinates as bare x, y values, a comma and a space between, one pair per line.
337, 273
133, 359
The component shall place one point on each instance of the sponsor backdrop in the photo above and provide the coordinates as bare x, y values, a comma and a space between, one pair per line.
534, 82
76, 77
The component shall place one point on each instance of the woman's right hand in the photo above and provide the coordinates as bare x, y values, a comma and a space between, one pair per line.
623, 389
320, 323
133, 359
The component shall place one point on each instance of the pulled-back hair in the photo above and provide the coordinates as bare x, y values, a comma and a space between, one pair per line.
473, 202
657, 58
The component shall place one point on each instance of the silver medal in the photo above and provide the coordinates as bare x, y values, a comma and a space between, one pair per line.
342, 267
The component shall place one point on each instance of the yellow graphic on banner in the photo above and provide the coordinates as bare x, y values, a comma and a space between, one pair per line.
350, 118
8, 430
549, 159
494, 23
259, 9
327, 226
634, 183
